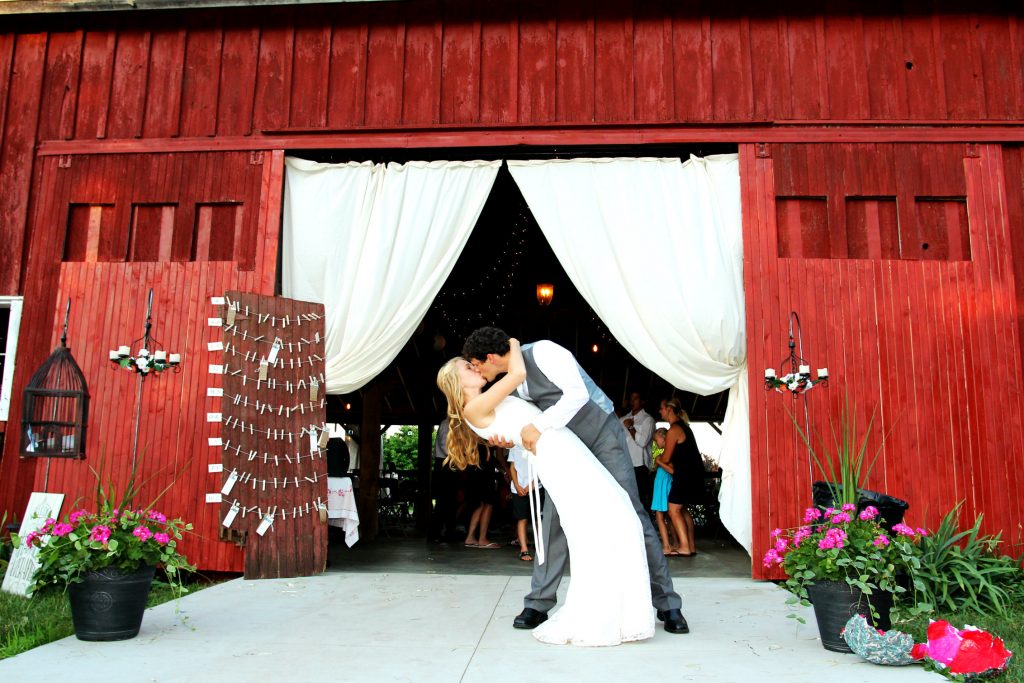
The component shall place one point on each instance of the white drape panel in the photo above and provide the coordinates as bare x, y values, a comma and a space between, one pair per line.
374, 244
655, 248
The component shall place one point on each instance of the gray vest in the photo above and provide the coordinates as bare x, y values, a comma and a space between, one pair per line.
590, 419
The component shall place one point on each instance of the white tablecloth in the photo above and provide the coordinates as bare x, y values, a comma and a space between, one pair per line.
341, 508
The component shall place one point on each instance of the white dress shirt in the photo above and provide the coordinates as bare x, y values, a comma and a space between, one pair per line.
559, 365
639, 443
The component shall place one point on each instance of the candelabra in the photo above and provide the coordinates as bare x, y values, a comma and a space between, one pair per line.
150, 358
798, 380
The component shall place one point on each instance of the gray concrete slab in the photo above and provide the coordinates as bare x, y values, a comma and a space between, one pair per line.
363, 626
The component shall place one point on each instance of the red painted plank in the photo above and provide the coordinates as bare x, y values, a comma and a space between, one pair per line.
166, 74
422, 76
769, 71
961, 67
460, 64
845, 65
574, 57
499, 66
730, 63
310, 69
926, 95
384, 67
239, 57
536, 94
128, 84
201, 86
94, 92
886, 72
63, 63
347, 93
805, 53
652, 49
613, 61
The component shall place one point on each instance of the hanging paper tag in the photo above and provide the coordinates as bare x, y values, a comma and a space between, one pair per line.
217, 300
215, 346
231, 315
216, 369
229, 483
323, 513
214, 391
212, 497
314, 390
214, 441
214, 322
312, 439
268, 519
232, 513
274, 350
213, 417
215, 467
263, 369
324, 437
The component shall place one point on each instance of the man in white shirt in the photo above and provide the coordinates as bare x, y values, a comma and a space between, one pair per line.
639, 431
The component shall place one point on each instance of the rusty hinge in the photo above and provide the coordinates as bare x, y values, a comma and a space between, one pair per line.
64, 161
256, 158
763, 151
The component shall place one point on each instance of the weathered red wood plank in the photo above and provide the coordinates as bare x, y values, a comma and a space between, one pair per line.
239, 58
60, 85
805, 52
94, 92
886, 72
384, 67
129, 84
460, 64
200, 88
422, 77
310, 70
613, 61
652, 49
499, 66
845, 65
926, 96
166, 75
347, 93
730, 63
691, 66
574, 56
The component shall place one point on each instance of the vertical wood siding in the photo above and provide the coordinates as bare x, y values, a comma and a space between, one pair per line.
108, 295
931, 344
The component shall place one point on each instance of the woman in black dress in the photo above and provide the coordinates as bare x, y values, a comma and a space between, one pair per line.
682, 454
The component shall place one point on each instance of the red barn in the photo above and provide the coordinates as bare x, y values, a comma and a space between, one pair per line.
881, 167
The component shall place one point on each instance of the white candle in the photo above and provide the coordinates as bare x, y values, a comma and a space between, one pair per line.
175, 358
822, 372
805, 369
123, 351
114, 355
159, 355
143, 353
769, 373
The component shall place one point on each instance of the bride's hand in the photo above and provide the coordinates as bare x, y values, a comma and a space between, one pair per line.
501, 442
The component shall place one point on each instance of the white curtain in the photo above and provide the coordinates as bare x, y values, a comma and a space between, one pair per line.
374, 244
655, 248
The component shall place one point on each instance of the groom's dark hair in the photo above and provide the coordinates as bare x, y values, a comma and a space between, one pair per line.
484, 341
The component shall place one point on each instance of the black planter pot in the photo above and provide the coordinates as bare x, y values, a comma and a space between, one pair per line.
108, 604
835, 602
890, 509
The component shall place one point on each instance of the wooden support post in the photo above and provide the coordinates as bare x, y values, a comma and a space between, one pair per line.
369, 462
424, 461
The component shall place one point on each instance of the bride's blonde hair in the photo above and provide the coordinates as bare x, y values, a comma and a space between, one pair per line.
462, 441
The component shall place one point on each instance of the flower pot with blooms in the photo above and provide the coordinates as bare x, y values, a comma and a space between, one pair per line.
106, 561
843, 562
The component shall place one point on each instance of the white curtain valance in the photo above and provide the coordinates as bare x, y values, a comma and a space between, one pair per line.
375, 243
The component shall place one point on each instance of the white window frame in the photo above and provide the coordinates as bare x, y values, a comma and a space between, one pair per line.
14, 303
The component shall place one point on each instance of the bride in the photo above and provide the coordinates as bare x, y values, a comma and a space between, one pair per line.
609, 596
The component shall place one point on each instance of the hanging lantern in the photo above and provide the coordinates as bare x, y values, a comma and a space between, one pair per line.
55, 410
545, 292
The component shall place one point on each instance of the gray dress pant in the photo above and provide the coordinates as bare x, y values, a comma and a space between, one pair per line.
609, 447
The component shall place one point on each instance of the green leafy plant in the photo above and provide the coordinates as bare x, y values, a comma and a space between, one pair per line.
845, 546
117, 534
843, 463
964, 570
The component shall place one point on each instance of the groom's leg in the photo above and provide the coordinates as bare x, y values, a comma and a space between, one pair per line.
611, 450
547, 576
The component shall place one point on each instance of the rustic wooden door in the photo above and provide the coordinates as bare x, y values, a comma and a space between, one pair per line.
273, 435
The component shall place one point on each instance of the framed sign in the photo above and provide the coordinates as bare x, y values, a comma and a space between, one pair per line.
24, 561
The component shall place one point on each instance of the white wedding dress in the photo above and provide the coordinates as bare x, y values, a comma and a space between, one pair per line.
609, 596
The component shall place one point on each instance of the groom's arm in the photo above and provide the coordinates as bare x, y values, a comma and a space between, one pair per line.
560, 366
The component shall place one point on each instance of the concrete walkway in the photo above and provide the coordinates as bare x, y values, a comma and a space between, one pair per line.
349, 626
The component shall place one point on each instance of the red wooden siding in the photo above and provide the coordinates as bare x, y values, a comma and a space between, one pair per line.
928, 338
107, 283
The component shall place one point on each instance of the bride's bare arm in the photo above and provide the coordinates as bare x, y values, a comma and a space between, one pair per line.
484, 404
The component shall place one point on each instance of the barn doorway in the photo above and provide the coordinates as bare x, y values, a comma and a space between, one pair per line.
493, 283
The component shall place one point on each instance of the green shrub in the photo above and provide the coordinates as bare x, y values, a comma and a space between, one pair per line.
964, 570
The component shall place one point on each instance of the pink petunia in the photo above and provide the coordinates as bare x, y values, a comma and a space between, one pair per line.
881, 541
811, 515
868, 513
62, 529
162, 538
100, 533
841, 518
31, 539
142, 533
922, 531
902, 529
47, 526
79, 514
776, 532
849, 507
157, 516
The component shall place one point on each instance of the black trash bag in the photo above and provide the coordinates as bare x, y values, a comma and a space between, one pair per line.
890, 509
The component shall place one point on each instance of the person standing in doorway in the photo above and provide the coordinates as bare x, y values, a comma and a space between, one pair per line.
639, 427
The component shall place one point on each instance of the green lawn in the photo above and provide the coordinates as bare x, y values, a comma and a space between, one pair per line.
1009, 628
28, 623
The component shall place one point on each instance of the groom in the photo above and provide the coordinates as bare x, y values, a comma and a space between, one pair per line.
557, 384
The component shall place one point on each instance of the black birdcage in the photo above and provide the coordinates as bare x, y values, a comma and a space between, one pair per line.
55, 410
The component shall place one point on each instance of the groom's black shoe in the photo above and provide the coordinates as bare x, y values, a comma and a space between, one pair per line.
530, 618
674, 620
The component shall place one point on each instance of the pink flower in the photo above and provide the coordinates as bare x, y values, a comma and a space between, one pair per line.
162, 538
781, 545
62, 529
31, 539
834, 538
870, 512
841, 518
921, 531
849, 507
811, 514
47, 526
100, 533
157, 516
881, 541
830, 511
801, 533
142, 533
78, 514
902, 529
776, 532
